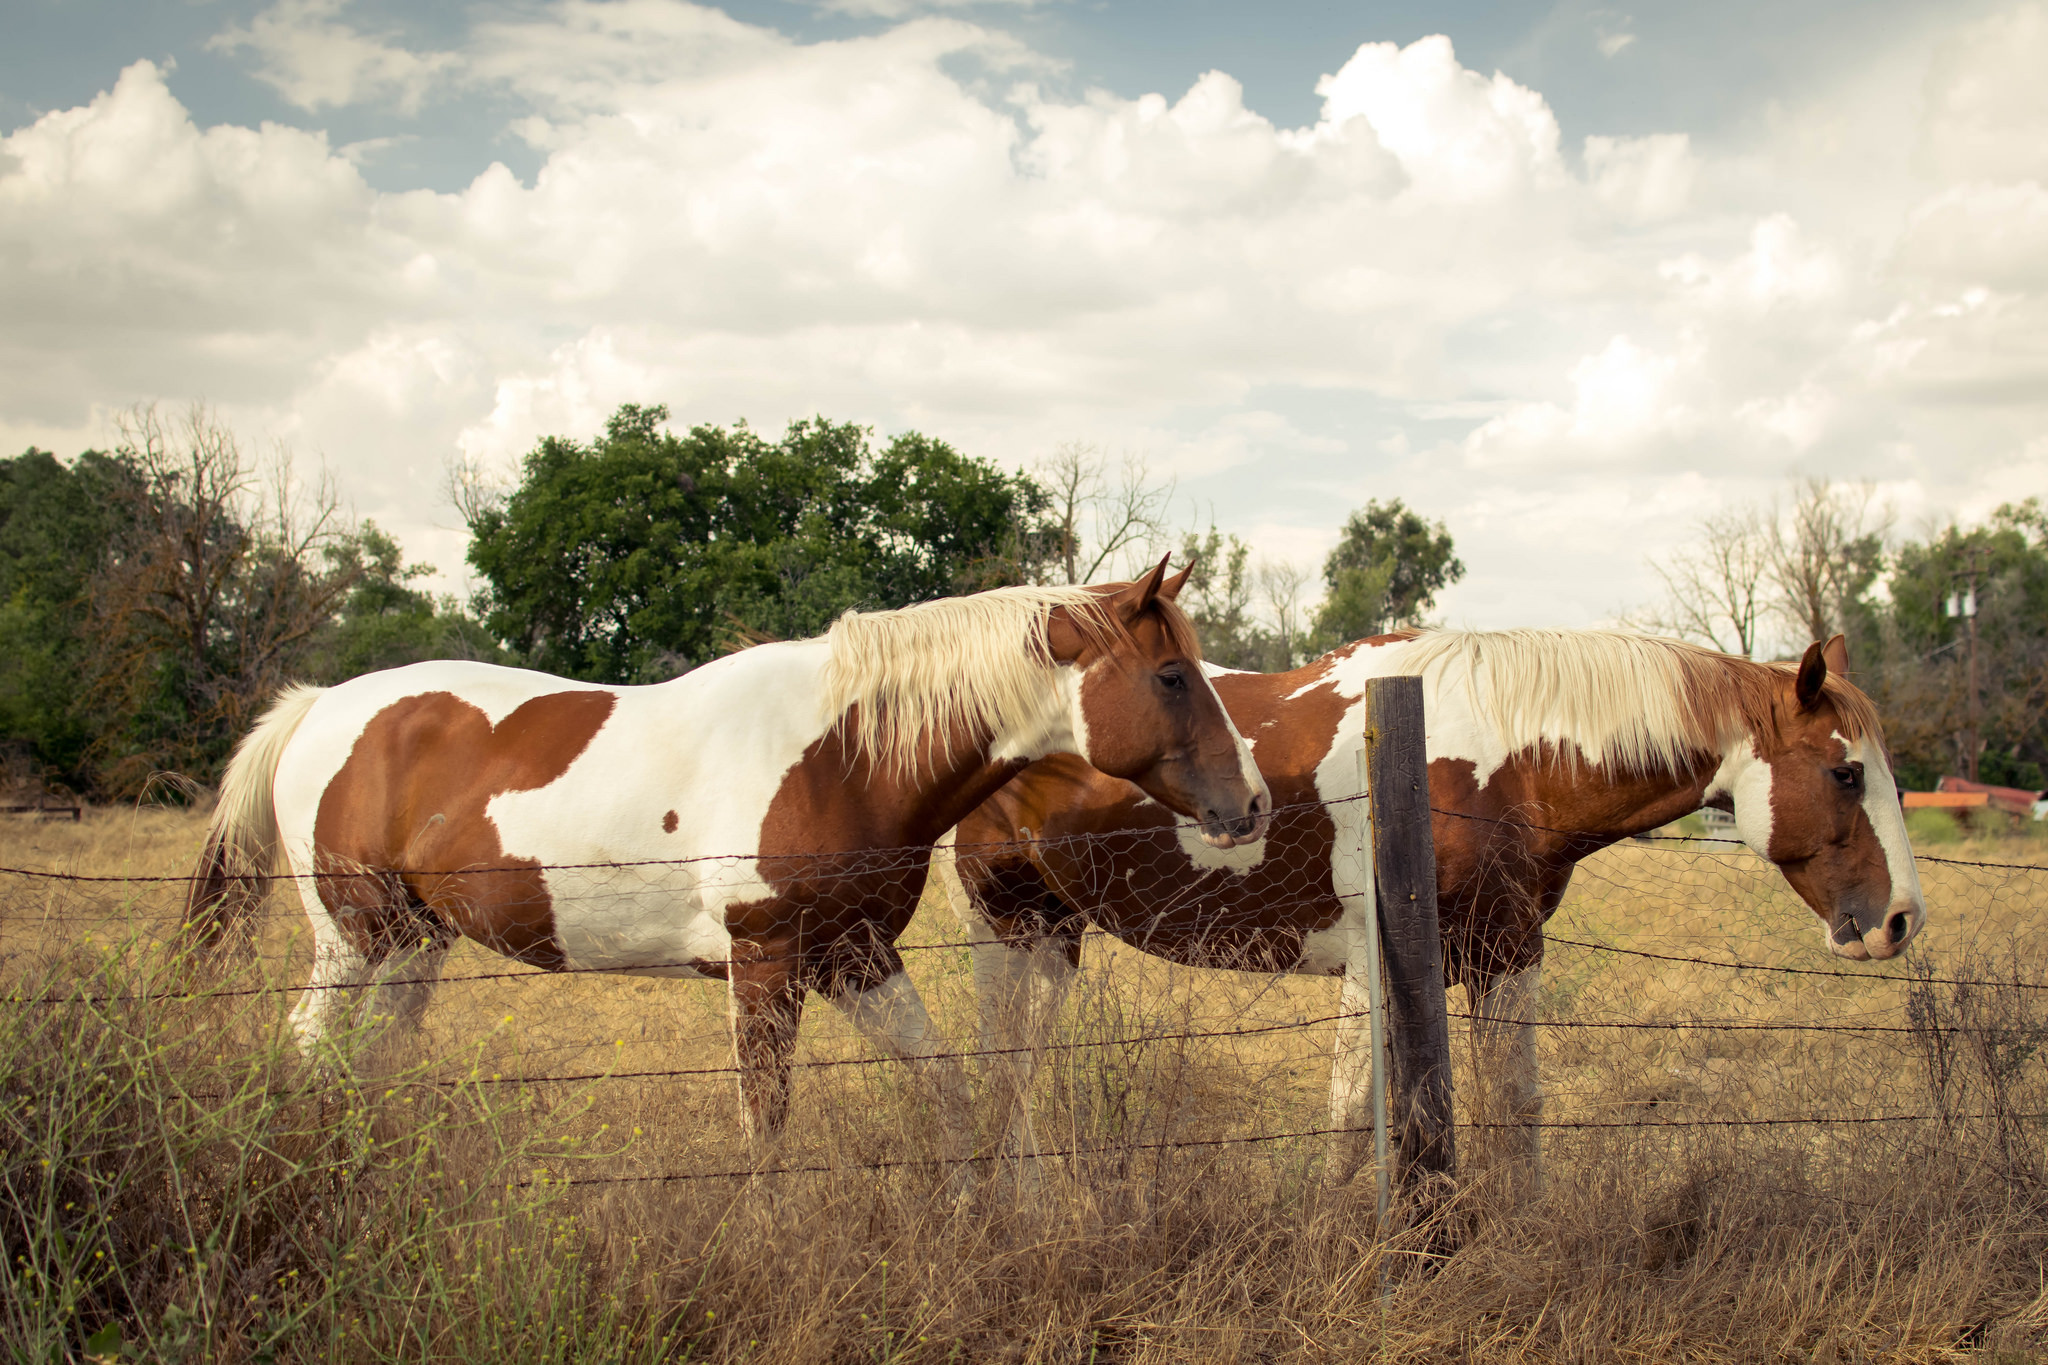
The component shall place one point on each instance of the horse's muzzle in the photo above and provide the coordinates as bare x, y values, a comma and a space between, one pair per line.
1887, 939
1228, 832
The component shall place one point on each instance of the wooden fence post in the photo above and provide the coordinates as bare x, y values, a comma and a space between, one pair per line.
1418, 1029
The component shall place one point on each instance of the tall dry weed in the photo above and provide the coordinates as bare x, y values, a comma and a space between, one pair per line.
553, 1171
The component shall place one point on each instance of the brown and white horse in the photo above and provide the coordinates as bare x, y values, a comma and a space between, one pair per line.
1543, 747
765, 819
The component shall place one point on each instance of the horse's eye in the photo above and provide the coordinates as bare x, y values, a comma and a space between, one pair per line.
1173, 680
1849, 777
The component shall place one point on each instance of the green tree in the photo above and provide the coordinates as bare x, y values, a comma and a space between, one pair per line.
1918, 660
643, 553
1218, 599
57, 523
386, 621
153, 598
1385, 573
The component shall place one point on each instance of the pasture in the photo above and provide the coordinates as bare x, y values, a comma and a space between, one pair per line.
554, 1172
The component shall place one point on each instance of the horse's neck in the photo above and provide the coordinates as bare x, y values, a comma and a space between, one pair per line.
915, 805
1578, 804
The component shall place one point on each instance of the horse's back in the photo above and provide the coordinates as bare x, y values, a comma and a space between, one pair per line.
374, 748
571, 818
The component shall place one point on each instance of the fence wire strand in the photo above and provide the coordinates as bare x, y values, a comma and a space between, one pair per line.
1678, 987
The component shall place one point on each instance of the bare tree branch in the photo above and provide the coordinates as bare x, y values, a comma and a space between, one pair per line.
1096, 521
1821, 552
1718, 592
1282, 585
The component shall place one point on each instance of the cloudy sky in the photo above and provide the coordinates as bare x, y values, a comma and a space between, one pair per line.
1566, 276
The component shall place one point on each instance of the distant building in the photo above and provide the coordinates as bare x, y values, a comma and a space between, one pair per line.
1964, 797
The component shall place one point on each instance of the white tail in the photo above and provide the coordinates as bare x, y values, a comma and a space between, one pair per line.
241, 842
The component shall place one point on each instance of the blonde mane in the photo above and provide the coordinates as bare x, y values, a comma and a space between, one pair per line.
979, 662
1637, 703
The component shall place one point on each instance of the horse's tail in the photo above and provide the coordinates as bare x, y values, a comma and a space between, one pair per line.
242, 848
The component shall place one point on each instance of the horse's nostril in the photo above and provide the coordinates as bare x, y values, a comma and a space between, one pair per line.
1897, 926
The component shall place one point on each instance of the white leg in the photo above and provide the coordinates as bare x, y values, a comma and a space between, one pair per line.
1351, 1108
1351, 1074
892, 1016
1020, 991
329, 998
1510, 1091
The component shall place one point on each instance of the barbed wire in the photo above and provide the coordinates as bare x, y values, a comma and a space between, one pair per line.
573, 1182
1910, 978
1637, 885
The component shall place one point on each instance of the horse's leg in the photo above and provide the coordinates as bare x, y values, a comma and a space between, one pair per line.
403, 985
1351, 1069
1021, 987
329, 999
1020, 983
1510, 1091
767, 996
1351, 1050
890, 1014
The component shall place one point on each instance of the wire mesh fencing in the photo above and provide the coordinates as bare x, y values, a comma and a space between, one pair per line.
1686, 991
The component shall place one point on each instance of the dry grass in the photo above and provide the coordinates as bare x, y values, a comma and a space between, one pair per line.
414, 1221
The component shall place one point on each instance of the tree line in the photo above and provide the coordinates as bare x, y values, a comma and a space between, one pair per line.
1948, 630
154, 595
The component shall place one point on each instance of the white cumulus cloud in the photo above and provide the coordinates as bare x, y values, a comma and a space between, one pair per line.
1418, 295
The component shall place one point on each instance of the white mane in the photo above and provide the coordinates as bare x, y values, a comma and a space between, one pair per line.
980, 662
1637, 703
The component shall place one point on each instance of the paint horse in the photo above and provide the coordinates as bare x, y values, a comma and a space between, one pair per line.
1543, 747
765, 819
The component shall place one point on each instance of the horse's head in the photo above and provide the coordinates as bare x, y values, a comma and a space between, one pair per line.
1142, 710
1814, 794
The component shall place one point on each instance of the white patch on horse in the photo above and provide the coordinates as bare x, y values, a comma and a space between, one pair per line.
1888, 820
892, 1016
1745, 779
1055, 730
1327, 952
1239, 858
669, 910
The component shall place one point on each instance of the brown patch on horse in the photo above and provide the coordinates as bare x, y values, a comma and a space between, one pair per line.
407, 816
834, 915
1500, 873
1217, 919
668, 823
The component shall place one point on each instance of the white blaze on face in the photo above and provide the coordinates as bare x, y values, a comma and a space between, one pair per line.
1247, 766
1881, 806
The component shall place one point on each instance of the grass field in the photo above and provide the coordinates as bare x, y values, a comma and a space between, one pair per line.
179, 1187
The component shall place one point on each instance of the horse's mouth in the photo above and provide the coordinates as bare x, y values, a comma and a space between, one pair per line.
1846, 938
1245, 829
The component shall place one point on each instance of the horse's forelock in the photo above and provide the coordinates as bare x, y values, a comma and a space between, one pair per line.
1180, 629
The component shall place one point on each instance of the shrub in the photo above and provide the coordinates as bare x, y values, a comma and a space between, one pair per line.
1933, 827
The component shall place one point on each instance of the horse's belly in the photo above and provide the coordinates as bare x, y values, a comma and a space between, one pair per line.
617, 919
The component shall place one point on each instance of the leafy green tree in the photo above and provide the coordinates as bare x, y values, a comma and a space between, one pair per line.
1218, 599
153, 598
57, 522
385, 621
1385, 573
1919, 665
643, 553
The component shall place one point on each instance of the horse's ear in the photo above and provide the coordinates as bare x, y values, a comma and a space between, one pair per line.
1813, 671
1836, 652
1170, 589
1138, 596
